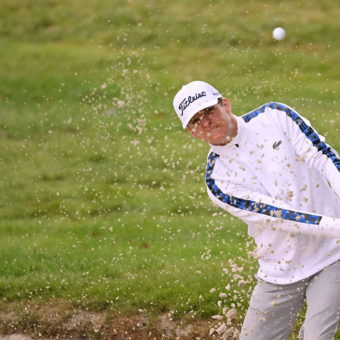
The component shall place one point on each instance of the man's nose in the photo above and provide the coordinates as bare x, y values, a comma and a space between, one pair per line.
206, 120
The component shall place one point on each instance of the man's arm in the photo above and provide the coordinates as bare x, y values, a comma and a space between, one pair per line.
266, 211
308, 144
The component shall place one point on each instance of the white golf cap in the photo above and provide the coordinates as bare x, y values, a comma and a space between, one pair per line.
192, 98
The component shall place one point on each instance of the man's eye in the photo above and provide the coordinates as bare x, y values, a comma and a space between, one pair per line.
196, 120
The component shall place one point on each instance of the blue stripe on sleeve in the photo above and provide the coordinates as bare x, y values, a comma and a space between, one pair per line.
305, 129
253, 206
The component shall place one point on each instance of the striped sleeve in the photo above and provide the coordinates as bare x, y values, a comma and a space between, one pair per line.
254, 207
308, 144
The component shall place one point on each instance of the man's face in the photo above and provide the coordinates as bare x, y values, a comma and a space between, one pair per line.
214, 125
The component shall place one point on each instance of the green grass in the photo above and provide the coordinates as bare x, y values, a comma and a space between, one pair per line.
103, 199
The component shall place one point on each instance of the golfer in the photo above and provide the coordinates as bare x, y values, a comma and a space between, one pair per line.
271, 169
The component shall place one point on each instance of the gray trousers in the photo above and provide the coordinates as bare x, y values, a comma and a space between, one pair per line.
273, 309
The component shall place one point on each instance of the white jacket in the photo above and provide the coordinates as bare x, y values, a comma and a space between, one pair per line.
281, 178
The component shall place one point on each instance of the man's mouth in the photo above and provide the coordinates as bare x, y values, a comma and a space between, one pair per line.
214, 128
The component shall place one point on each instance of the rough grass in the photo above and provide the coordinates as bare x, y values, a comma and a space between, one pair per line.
103, 201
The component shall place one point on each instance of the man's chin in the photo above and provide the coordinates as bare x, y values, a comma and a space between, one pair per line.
220, 139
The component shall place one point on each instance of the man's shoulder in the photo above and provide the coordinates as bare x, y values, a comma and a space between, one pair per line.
217, 160
268, 109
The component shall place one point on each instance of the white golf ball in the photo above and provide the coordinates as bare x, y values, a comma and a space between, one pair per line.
279, 33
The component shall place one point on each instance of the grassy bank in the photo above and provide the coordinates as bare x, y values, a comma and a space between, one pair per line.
103, 201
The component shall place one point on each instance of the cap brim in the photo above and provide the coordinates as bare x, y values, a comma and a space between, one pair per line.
198, 108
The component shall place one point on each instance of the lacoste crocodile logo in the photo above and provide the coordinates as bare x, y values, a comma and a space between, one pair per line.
277, 144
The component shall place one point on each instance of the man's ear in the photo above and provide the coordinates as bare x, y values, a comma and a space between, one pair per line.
226, 104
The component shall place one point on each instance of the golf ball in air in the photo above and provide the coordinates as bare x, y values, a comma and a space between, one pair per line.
279, 33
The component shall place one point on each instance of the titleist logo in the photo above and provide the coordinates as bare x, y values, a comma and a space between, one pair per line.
187, 101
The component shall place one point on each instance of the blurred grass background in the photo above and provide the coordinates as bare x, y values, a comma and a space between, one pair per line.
103, 200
